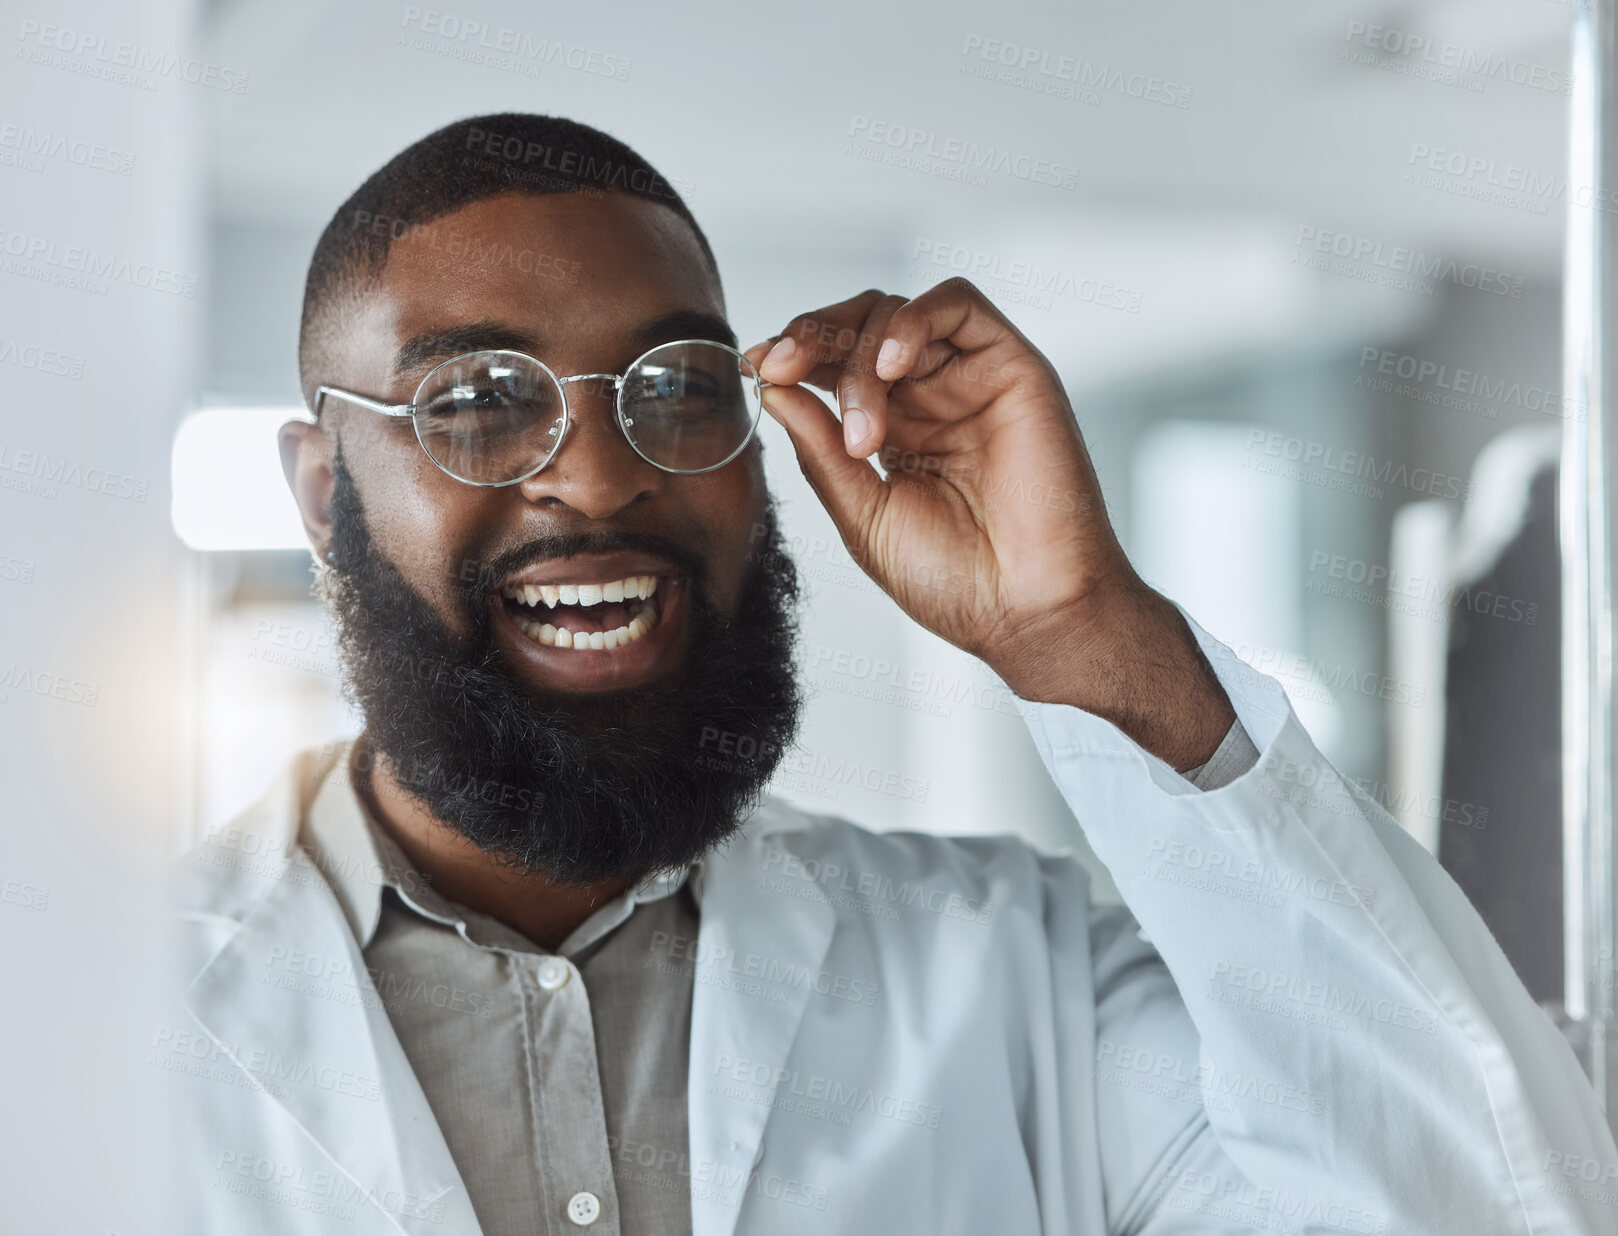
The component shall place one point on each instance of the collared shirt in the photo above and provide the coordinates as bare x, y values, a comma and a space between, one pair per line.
557, 1078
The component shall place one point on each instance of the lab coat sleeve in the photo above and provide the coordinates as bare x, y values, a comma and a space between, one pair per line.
1367, 1059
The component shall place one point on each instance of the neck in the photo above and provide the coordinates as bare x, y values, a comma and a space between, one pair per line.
542, 910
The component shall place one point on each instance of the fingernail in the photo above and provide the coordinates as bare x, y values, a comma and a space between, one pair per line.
856, 425
782, 351
889, 355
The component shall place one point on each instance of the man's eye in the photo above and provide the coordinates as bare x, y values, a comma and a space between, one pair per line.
483, 399
486, 397
672, 385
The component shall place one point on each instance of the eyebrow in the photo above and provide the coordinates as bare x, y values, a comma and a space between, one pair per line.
432, 345
684, 324
491, 336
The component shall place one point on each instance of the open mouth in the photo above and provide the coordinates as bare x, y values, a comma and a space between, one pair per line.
588, 617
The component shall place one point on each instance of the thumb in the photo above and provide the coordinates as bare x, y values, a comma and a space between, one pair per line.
850, 489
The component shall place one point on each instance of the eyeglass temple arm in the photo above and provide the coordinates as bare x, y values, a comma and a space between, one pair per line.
386, 409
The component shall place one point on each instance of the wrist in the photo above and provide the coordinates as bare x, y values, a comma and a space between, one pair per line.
1127, 656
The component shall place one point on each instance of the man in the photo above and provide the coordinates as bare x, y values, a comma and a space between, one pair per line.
536, 954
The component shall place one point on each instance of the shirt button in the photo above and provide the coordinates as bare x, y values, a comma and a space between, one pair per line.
553, 972
584, 1208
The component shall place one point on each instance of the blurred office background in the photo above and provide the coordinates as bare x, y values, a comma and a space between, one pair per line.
1300, 272
1288, 337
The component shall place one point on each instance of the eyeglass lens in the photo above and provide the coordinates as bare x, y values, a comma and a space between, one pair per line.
491, 417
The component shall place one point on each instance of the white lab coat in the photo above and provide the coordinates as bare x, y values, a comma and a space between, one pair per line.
1303, 1026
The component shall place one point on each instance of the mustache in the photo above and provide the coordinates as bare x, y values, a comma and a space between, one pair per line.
582, 790
487, 576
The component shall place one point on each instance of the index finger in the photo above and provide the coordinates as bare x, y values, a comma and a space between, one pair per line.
821, 342
954, 310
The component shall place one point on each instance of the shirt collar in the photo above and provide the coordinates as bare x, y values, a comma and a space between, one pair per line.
359, 860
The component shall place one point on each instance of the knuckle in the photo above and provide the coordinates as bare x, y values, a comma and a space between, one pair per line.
887, 311
907, 315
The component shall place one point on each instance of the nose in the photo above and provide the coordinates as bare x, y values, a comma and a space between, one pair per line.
595, 470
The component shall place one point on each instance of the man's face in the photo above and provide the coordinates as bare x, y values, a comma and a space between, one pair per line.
581, 765
635, 277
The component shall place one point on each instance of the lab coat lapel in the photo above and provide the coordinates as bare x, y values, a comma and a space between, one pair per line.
742, 919
335, 1065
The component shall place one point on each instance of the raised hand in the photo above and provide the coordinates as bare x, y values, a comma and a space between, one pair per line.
989, 528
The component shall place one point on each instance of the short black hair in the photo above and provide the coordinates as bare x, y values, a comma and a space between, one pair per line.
462, 163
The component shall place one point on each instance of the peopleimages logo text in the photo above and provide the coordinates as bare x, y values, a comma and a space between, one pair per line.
1358, 464
1403, 260
1467, 62
1085, 74
506, 41
1470, 382
82, 260
40, 38
961, 152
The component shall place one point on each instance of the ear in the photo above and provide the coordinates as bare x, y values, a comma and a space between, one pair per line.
307, 452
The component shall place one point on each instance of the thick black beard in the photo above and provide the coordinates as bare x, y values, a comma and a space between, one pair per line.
576, 789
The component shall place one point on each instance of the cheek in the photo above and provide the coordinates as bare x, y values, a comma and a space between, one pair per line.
734, 516
429, 525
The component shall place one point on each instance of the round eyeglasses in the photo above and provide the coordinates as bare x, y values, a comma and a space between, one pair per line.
497, 417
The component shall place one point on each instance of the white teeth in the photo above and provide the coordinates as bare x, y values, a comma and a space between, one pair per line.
635, 589
630, 588
601, 641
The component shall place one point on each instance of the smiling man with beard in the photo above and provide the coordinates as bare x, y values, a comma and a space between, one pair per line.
536, 953
584, 788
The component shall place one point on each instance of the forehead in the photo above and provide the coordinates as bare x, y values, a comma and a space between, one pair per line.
577, 273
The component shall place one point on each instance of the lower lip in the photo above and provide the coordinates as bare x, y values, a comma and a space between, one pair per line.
629, 665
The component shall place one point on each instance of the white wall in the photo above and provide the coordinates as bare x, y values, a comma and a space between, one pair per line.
92, 622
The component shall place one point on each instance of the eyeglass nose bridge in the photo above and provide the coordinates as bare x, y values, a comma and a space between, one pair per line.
617, 380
